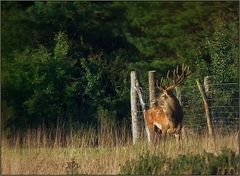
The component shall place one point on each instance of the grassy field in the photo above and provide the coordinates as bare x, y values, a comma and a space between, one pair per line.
93, 152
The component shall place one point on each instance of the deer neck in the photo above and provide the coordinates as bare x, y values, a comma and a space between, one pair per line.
172, 108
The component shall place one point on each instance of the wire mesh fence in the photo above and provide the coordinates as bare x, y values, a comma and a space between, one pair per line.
223, 100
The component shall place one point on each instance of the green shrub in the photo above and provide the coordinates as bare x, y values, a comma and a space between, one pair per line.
146, 164
227, 163
204, 164
187, 164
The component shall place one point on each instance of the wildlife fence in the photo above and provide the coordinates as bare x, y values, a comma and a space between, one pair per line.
223, 103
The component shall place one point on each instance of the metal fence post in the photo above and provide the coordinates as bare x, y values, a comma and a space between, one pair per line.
135, 122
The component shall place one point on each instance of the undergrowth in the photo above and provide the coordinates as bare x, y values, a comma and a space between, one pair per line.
225, 163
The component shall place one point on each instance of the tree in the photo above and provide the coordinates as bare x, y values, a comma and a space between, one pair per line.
76, 74
34, 85
174, 30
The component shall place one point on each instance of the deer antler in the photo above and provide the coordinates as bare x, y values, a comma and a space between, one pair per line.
160, 86
177, 77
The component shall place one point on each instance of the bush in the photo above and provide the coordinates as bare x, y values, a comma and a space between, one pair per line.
227, 163
146, 164
207, 164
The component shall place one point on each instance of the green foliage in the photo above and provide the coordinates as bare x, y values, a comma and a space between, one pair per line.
147, 164
66, 60
222, 51
38, 81
51, 82
225, 163
106, 118
15, 32
217, 56
62, 46
192, 164
176, 30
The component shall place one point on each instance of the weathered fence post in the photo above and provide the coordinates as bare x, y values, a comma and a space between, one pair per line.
207, 82
143, 109
207, 113
151, 84
206, 107
135, 122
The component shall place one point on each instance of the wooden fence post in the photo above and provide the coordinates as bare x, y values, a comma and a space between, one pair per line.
135, 122
143, 109
207, 82
151, 84
207, 113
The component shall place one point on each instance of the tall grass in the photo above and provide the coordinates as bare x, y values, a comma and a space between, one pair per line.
93, 151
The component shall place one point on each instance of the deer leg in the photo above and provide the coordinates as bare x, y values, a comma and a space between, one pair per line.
178, 141
171, 131
158, 131
151, 134
179, 136
148, 135
164, 138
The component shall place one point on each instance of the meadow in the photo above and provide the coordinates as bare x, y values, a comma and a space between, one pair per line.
71, 62
90, 151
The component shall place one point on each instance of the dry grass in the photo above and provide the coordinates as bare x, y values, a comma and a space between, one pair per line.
92, 152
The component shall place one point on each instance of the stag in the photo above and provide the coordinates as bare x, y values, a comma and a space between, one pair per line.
166, 116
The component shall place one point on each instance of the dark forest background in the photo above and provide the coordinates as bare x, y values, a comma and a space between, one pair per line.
70, 62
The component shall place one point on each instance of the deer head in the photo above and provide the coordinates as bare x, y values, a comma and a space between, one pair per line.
178, 75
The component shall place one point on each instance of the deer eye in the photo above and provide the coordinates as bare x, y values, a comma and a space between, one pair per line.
164, 96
